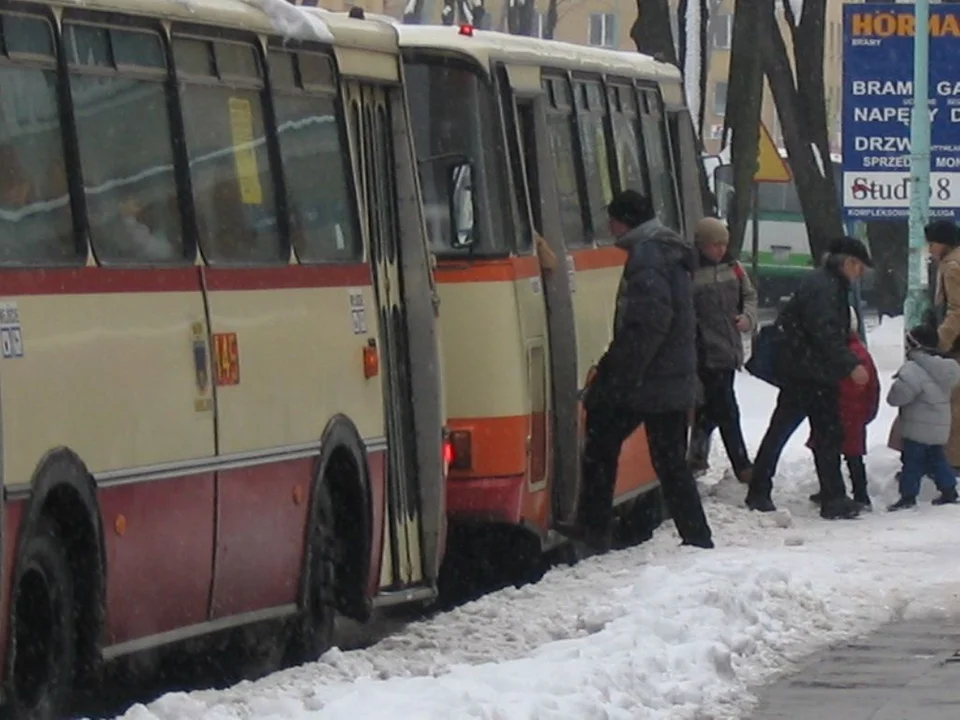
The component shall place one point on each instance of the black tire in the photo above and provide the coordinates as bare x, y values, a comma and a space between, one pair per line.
313, 629
43, 653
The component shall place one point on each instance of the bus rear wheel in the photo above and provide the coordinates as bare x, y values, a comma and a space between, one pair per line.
313, 634
44, 644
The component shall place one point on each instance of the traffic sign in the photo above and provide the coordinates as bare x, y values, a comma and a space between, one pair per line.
877, 105
770, 166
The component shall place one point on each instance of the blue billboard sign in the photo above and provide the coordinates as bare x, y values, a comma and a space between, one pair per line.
877, 104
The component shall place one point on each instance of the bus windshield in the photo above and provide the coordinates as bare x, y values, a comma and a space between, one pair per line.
460, 157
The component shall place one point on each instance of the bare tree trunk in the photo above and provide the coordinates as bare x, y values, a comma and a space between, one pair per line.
801, 107
520, 17
651, 31
550, 21
742, 115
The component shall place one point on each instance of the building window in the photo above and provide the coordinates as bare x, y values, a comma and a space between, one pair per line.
603, 29
720, 99
721, 28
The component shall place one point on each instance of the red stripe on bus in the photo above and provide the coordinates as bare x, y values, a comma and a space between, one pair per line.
287, 277
95, 280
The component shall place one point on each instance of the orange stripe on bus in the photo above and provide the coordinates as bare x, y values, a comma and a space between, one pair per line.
499, 449
598, 258
498, 445
499, 270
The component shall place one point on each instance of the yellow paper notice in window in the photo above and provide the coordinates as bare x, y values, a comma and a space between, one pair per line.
241, 127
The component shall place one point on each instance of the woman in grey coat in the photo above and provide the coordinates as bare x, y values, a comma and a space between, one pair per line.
921, 390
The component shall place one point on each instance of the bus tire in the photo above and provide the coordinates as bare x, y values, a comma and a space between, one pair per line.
313, 633
43, 628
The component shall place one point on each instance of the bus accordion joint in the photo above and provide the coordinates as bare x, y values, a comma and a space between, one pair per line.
371, 359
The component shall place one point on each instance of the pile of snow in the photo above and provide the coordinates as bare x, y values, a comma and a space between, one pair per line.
657, 631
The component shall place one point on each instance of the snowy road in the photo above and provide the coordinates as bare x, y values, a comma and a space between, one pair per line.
656, 631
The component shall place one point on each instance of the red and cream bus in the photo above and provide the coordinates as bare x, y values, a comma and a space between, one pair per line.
517, 138
220, 384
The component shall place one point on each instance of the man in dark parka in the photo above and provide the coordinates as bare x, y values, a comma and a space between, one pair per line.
812, 359
648, 374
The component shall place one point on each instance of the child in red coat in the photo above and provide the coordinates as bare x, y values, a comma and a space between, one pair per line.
858, 408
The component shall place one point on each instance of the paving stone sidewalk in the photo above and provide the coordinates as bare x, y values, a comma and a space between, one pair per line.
909, 670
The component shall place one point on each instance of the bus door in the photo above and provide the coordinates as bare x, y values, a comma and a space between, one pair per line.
369, 119
526, 123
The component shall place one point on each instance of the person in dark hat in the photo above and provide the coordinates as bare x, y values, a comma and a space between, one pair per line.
647, 376
812, 358
943, 242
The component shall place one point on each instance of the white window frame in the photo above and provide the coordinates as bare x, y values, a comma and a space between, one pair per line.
608, 30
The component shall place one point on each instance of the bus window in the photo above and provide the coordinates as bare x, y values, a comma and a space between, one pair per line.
313, 152
683, 148
633, 172
455, 124
656, 144
36, 223
117, 84
221, 86
571, 192
591, 115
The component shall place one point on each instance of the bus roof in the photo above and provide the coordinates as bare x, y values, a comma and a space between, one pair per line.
268, 17
488, 47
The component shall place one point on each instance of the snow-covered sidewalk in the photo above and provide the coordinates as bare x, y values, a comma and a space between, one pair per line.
657, 631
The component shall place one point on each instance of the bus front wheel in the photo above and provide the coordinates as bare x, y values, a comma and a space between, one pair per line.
43, 656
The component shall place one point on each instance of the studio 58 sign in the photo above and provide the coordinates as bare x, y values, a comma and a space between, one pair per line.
877, 106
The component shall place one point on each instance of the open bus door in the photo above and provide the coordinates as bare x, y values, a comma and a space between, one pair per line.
525, 116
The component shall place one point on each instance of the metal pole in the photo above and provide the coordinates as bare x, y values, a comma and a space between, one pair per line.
915, 302
755, 253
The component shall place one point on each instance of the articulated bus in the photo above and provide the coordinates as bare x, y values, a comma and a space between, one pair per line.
220, 386
521, 144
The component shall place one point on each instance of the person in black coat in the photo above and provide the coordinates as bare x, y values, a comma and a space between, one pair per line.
812, 358
647, 376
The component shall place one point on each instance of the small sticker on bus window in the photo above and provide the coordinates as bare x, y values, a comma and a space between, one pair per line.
338, 231
241, 128
11, 334
358, 311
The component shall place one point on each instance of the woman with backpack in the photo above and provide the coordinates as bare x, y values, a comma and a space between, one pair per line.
726, 306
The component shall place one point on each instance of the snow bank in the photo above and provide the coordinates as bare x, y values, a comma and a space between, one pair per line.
657, 631
293, 21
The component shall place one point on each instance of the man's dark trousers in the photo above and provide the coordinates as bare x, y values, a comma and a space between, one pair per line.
720, 409
819, 404
607, 427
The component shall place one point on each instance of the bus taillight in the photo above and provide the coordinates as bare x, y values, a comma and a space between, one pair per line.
461, 454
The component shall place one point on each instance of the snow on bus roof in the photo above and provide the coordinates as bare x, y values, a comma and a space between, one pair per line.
487, 46
270, 17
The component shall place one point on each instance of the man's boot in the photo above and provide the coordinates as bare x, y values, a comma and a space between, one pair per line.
858, 479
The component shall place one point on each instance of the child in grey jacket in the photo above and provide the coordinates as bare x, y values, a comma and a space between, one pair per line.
921, 390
